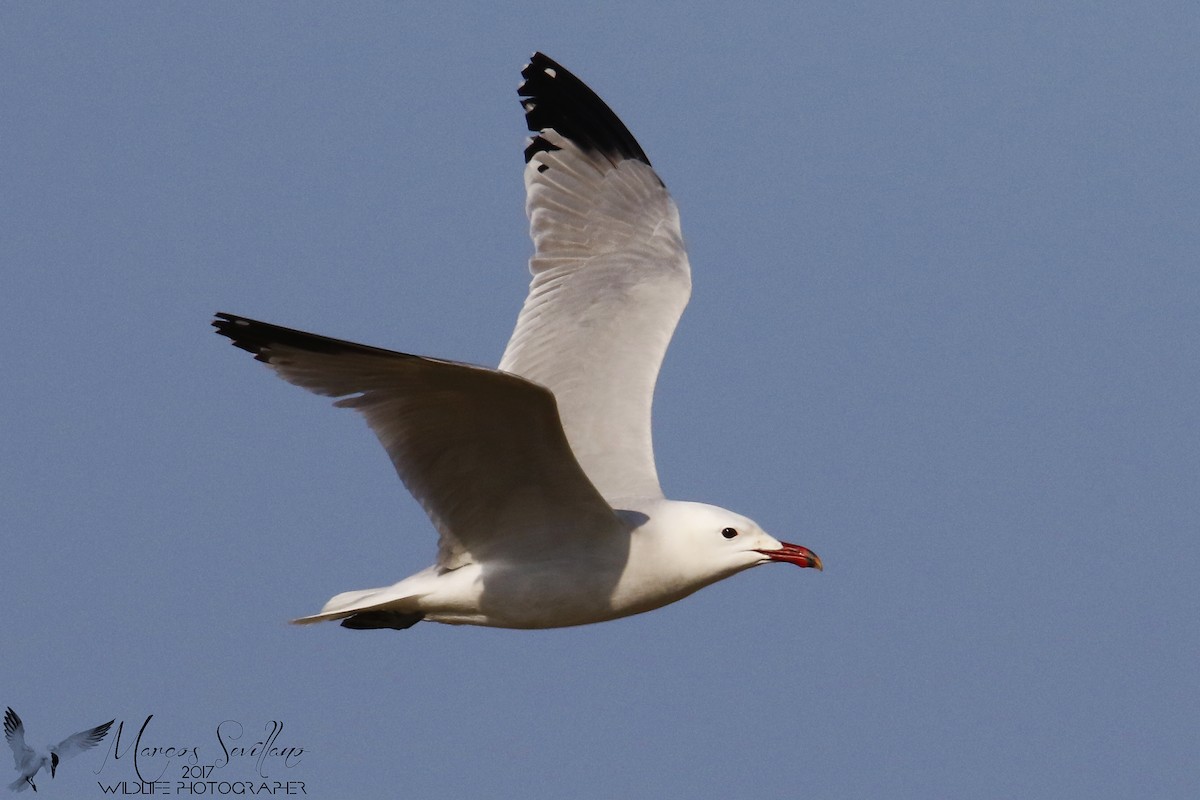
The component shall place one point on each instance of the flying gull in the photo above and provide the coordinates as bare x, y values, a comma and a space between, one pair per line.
539, 475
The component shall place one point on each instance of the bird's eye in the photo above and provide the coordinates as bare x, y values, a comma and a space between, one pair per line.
729, 533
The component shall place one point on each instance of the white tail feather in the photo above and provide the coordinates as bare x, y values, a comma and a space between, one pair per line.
348, 604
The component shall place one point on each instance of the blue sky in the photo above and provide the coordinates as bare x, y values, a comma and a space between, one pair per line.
944, 331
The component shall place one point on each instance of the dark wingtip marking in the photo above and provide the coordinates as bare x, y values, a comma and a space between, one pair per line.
241, 333
559, 100
538, 145
259, 337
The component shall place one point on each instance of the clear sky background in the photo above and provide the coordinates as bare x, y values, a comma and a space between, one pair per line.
945, 331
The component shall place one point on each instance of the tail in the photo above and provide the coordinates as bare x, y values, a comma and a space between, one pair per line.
368, 609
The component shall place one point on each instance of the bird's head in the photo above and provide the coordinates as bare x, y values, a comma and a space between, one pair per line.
53, 762
717, 542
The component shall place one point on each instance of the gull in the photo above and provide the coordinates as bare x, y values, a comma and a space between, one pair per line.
539, 475
29, 762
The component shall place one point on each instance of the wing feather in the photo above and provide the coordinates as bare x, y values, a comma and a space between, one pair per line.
14, 734
482, 451
610, 279
76, 743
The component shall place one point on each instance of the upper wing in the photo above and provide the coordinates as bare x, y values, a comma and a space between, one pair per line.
610, 278
84, 740
482, 451
14, 733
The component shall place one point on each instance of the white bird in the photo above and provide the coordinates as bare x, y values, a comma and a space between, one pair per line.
29, 762
539, 475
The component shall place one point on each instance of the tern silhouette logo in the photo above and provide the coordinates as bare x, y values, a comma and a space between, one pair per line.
29, 762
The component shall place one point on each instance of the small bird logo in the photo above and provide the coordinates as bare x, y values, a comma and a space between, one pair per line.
29, 762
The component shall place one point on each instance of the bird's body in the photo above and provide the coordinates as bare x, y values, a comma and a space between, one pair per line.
540, 475
641, 563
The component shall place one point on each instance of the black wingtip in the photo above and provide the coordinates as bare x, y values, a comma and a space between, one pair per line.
556, 99
11, 722
241, 332
258, 338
